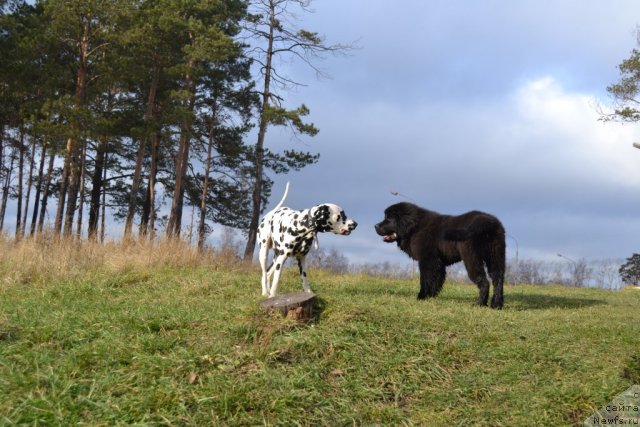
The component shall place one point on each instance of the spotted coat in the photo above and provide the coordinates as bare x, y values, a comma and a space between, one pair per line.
292, 233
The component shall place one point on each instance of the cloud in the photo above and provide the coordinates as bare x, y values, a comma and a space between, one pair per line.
481, 50
537, 157
458, 106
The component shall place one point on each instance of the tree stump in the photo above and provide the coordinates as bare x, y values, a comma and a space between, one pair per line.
294, 305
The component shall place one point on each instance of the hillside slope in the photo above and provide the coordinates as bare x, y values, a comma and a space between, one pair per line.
189, 346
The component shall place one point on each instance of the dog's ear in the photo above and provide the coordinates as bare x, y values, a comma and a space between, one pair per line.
406, 225
320, 218
406, 219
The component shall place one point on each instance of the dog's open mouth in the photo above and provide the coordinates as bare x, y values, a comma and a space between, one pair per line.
390, 237
345, 232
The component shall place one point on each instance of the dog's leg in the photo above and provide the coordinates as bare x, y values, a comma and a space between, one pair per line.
497, 277
270, 270
302, 265
276, 269
475, 271
496, 267
432, 275
262, 256
474, 264
497, 301
483, 286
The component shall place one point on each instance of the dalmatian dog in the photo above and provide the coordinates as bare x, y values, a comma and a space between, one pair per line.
291, 233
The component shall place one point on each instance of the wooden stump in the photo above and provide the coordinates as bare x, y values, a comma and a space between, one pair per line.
295, 305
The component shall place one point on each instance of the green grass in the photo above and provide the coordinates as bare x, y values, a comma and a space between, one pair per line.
191, 347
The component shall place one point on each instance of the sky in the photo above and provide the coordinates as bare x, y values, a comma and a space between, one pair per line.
460, 105
455, 106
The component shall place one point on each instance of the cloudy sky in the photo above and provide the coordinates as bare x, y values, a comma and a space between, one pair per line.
459, 105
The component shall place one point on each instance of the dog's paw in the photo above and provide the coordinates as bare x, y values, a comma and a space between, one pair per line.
496, 304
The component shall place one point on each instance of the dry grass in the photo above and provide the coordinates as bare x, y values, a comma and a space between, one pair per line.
51, 258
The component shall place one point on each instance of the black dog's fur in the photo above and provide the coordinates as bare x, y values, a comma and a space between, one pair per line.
436, 241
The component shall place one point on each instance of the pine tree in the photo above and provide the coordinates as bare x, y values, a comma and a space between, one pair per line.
630, 270
625, 93
273, 38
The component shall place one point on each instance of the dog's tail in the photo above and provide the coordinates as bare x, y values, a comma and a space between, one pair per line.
286, 191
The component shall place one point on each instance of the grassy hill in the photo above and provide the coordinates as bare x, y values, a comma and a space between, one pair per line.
156, 343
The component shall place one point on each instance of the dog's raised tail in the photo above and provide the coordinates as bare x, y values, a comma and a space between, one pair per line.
286, 191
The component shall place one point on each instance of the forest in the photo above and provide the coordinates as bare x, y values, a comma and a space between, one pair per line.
146, 113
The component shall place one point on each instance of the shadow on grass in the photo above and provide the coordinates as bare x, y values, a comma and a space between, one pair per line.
543, 301
515, 301
522, 302
364, 290
319, 305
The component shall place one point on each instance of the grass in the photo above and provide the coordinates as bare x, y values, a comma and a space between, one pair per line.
154, 343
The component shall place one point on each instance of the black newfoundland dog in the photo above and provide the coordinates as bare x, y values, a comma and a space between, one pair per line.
436, 241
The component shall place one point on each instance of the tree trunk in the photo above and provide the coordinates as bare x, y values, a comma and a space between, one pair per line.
256, 196
104, 198
63, 189
83, 171
6, 187
175, 218
96, 189
295, 305
262, 130
19, 194
144, 217
73, 147
147, 219
36, 201
155, 153
1, 151
135, 187
182, 161
73, 188
45, 191
29, 184
148, 117
205, 184
193, 214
